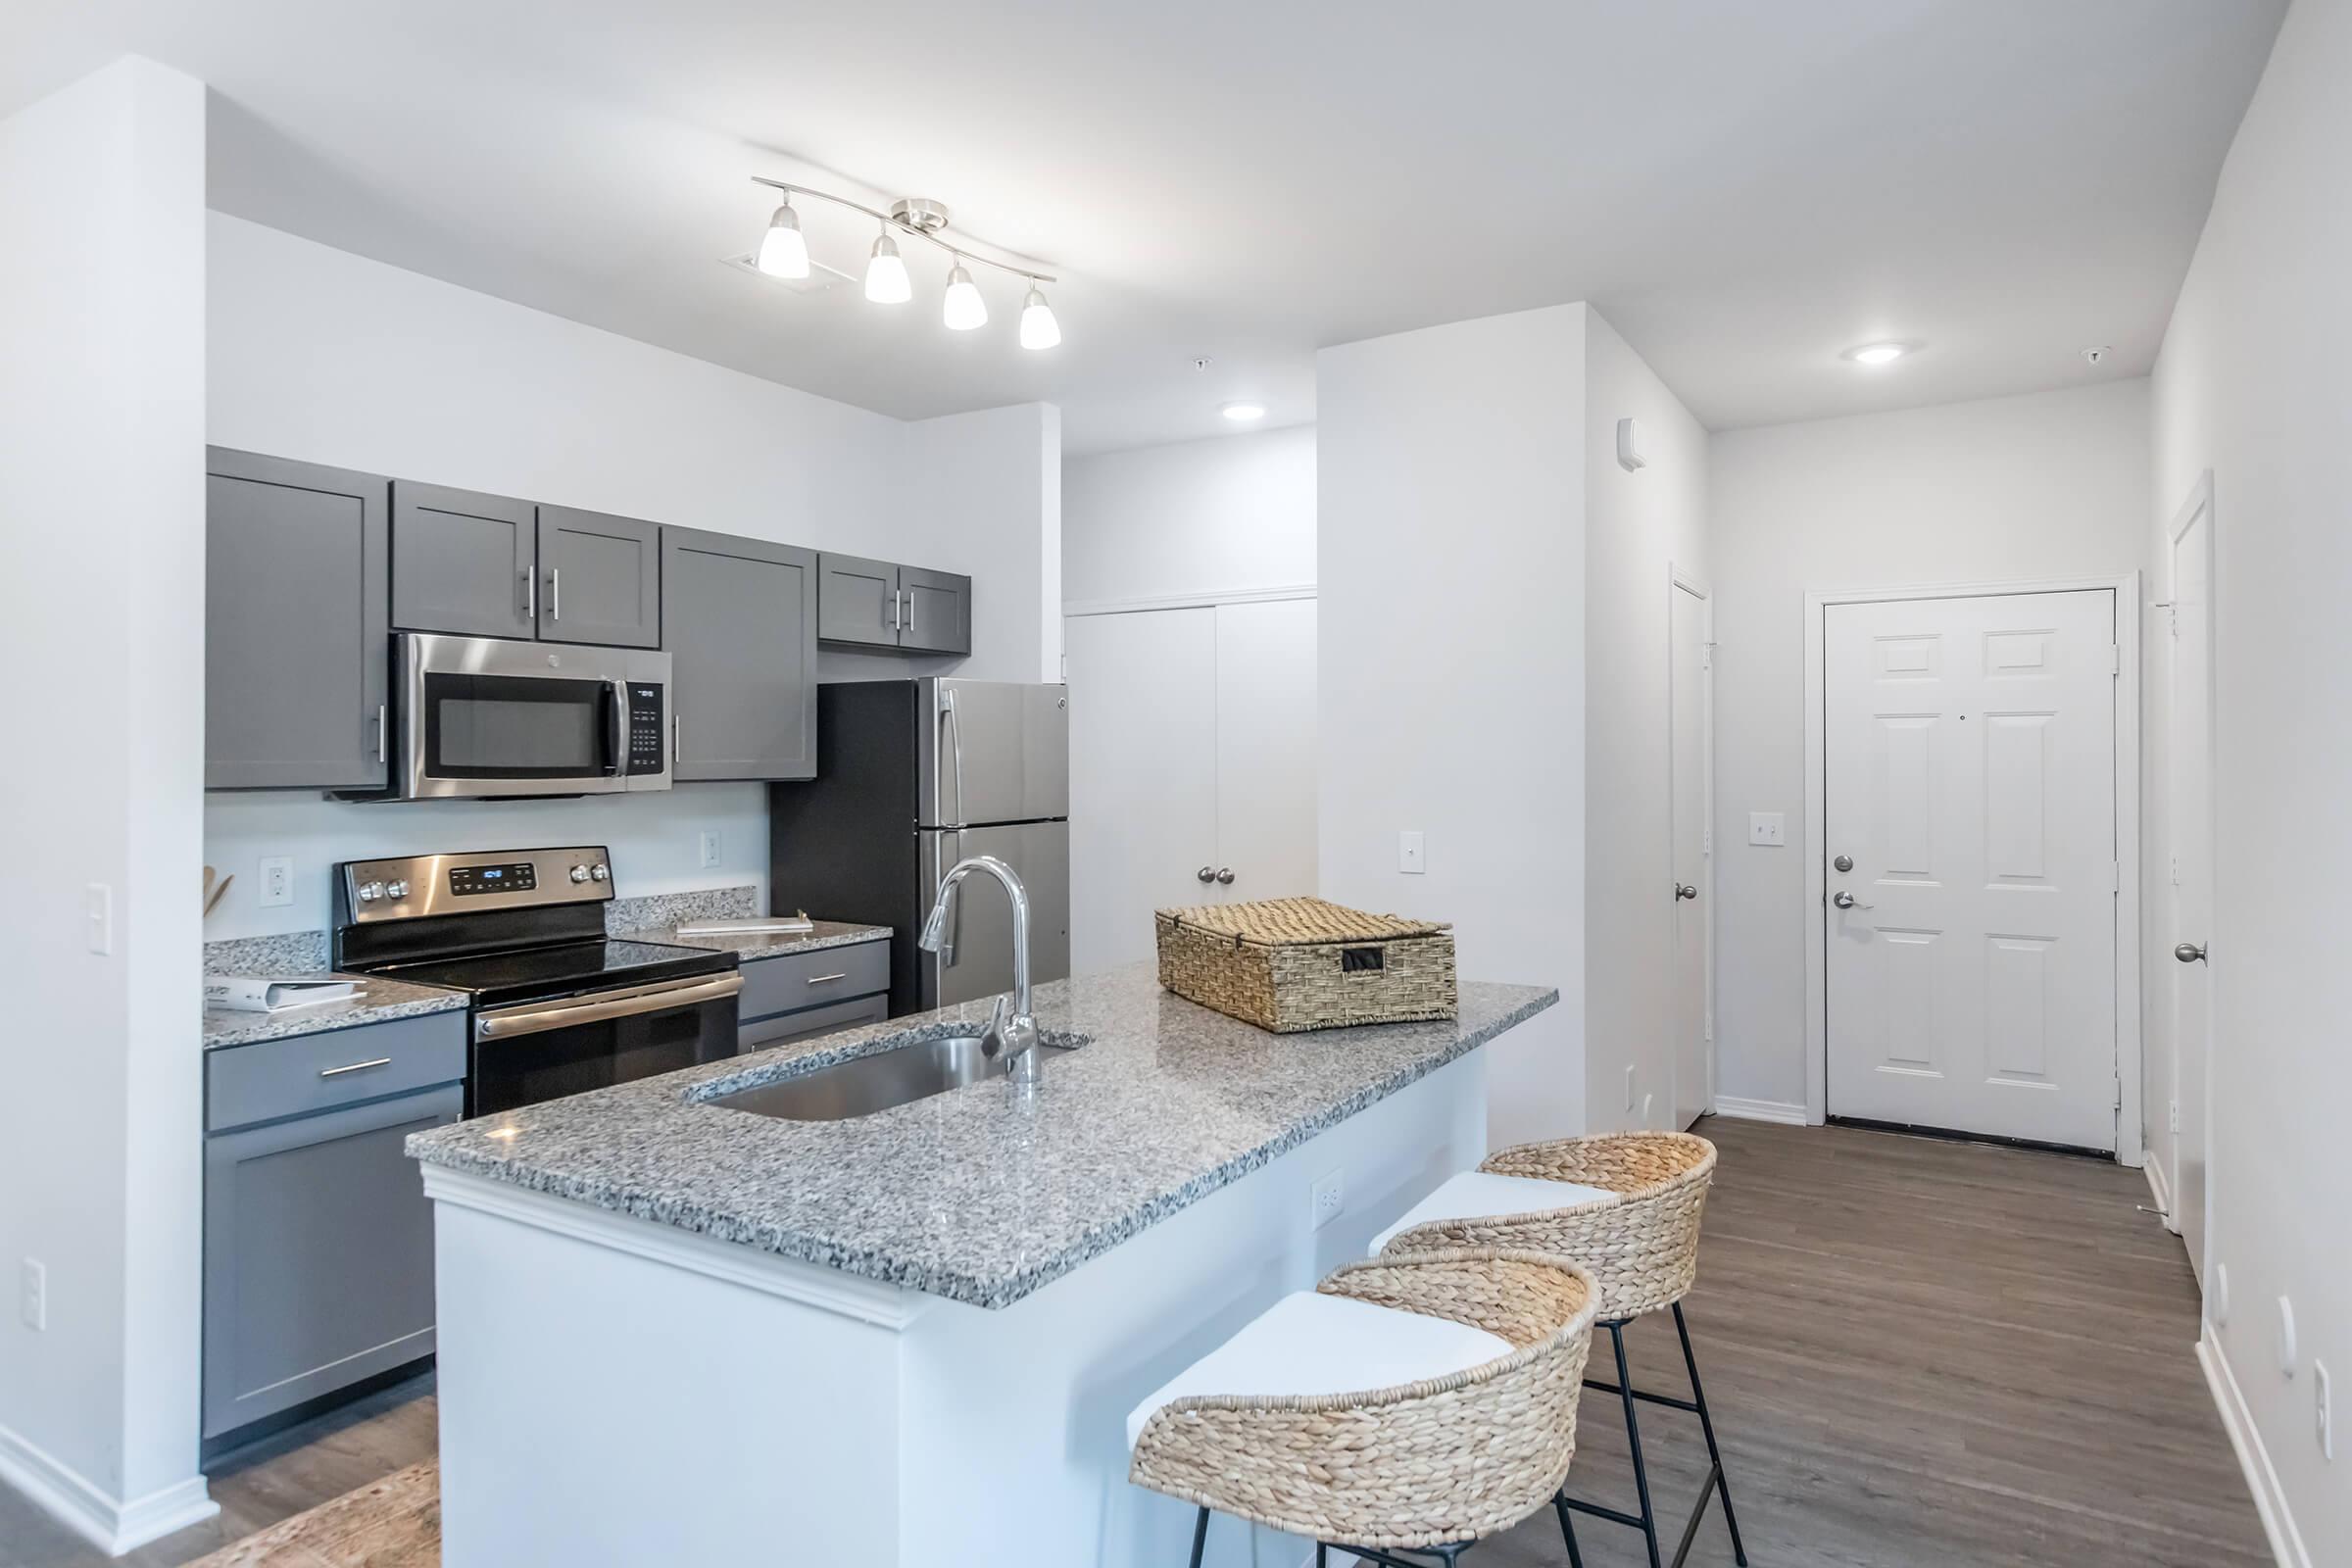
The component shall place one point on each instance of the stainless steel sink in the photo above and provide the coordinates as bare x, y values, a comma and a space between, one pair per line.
863, 1085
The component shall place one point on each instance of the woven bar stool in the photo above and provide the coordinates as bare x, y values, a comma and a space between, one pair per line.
1466, 1366
1626, 1205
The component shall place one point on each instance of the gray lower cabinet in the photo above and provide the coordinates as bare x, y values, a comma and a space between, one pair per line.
317, 1237
297, 559
599, 579
463, 563
876, 603
799, 995
739, 619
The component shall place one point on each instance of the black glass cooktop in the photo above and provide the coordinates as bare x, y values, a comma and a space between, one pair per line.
560, 969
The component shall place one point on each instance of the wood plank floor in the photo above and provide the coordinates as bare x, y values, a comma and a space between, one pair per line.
1918, 1354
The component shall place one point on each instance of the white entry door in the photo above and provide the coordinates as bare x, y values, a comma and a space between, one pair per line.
1142, 775
2191, 792
1970, 781
1693, 889
1192, 767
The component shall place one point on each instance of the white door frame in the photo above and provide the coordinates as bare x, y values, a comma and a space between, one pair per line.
1680, 581
2127, 590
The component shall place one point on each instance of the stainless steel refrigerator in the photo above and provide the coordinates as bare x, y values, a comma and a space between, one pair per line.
913, 775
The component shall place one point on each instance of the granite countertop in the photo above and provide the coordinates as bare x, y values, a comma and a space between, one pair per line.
975, 1194
750, 945
378, 1001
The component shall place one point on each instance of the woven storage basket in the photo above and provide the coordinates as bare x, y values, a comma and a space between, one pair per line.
1288, 964
1417, 1465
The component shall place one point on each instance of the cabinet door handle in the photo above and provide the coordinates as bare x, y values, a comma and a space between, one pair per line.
381, 755
827, 979
554, 593
357, 1066
530, 594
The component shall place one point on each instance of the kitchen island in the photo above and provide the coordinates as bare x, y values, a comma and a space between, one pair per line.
675, 1332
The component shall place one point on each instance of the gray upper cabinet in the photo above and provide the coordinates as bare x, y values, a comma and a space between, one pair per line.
875, 604
599, 579
739, 618
463, 563
935, 612
857, 602
296, 566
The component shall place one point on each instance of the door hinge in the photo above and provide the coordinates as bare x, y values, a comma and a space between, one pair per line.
1706, 841
2115, 876
2119, 1092
2176, 870
2115, 659
1706, 656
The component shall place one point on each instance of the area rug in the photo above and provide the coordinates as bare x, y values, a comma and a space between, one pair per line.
395, 1523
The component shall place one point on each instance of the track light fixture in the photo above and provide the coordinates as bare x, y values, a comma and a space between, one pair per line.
784, 253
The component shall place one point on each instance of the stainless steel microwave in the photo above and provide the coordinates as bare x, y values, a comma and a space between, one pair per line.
484, 716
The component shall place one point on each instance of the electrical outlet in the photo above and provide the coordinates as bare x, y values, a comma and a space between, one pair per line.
1330, 1199
1768, 828
709, 846
1629, 1085
2326, 1416
1410, 856
32, 1291
277, 880
98, 917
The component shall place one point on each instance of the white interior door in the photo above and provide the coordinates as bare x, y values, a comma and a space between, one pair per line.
1266, 749
1970, 778
2191, 789
1142, 776
1694, 890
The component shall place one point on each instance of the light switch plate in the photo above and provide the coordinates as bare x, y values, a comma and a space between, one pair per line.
98, 917
277, 880
1768, 828
1411, 857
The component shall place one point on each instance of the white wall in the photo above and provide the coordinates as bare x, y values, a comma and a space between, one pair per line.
331, 357
1637, 526
1192, 519
2252, 385
2050, 485
101, 533
1450, 570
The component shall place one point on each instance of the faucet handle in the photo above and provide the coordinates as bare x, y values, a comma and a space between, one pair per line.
992, 1039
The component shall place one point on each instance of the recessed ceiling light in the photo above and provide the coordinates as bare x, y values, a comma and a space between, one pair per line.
1244, 411
1878, 353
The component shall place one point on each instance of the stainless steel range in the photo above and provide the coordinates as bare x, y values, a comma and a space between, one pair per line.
559, 1007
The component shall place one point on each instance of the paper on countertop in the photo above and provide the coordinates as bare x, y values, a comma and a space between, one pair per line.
274, 993
785, 925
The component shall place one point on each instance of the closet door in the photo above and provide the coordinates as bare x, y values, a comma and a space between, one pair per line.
1266, 750
1142, 776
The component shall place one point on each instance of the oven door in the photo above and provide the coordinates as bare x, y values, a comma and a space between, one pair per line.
483, 716
534, 1050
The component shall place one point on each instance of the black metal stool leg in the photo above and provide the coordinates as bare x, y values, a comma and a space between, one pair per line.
1633, 1442
1706, 1424
1200, 1537
1322, 1555
1559, 1505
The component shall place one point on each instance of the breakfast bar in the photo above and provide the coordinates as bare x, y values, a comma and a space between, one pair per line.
673, 1329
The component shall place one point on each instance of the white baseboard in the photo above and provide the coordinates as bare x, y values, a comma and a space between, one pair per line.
1778, 1110
114, 1527
2160, 1188
2269, 1499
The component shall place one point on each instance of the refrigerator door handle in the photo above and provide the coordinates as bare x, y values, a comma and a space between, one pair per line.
952, 729
947, 948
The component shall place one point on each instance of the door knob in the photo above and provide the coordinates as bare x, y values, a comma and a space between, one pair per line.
1845, 900
1843, 862
1225, 875
2189, 953
1684, 890
1207, 873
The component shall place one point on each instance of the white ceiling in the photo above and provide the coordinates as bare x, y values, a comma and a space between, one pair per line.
1744, 188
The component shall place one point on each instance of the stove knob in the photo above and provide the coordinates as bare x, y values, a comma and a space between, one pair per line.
579, 873
601, 871
370, 892
396, 890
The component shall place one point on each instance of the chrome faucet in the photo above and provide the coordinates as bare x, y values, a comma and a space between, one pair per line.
1014, 1035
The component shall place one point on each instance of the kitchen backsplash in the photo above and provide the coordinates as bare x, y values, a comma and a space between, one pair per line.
300, 951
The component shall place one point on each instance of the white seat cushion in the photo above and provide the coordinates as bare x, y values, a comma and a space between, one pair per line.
1308, 1343
1478, 1194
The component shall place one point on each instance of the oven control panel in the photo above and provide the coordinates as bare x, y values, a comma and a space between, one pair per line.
511, 876
648, 728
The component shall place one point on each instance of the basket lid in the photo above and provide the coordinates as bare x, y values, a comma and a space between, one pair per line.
1297, 922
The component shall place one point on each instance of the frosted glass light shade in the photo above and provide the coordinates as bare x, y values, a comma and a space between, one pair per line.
886, 279
783, 253
963, 309
1039, 329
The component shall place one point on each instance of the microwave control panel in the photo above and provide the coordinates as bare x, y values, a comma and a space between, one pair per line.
648, 727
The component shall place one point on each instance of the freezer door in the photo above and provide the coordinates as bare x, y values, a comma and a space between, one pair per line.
993, 751
977, 960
